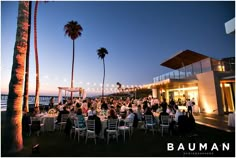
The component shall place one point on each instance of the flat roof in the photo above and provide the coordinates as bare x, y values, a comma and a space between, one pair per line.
183, 58
230, 26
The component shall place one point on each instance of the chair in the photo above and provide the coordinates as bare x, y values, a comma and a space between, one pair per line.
90, 132
42, 124
78, 130
62, 124
164, 123
149, 123
72, 130
130, 123
112, 129
124, 128
35, 125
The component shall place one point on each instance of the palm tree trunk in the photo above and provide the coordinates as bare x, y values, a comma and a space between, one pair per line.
26, 89
12, 138
36, 55
72, 71
103, 78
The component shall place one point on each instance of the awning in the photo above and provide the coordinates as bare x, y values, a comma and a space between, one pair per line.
183, 58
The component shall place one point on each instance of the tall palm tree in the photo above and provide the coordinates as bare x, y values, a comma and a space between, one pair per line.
26, 88
12, 138
36, 55
73, 30
101, 54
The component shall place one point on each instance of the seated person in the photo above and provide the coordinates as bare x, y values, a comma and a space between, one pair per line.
112, 114
163, 113
57, 107
84, 107
90, 112
177, 114
104, 105
64, 111
60, 107
130, 115
51, 103
139, 113
36, 111
92, 115
145, 105
81, 120
154, 107
123, 108
149, 112
123, 111
129, 118
78, 105
72, 113
118, 108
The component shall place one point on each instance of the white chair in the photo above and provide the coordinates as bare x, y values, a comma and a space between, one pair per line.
124, 128
112, 129
62, 124
164, 123
35, 122
42, 124
72, 130
90, 132
130, 123
78, 130
149, 123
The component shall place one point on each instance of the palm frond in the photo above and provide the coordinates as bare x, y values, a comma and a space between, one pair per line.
102, 52
73, 29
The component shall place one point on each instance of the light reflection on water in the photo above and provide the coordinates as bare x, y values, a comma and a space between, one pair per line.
44, 100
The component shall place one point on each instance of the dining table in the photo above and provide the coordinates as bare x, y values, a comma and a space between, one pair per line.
49, 121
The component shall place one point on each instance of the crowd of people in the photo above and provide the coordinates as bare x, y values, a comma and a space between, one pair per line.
125, 108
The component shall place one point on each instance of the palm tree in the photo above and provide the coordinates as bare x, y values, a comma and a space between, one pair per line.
26, 88
101, 54
73, 30
12, 138
36, 55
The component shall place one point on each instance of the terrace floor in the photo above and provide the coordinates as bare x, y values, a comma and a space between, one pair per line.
209, 129
56, 144
214, 121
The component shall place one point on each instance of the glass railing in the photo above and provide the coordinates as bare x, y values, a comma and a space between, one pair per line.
204, 65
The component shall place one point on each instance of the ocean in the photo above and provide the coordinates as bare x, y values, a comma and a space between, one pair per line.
43, 100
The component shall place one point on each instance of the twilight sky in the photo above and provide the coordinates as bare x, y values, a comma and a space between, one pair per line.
139, 36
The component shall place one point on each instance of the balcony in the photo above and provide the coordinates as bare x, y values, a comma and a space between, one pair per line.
189, 71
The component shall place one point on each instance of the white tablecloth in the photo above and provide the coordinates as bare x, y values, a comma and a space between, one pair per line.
104, 126
231, 120
49, 123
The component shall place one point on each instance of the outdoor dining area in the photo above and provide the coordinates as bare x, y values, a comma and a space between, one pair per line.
109, 119
114, 126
